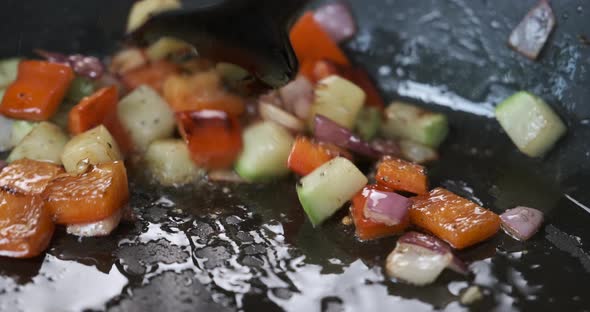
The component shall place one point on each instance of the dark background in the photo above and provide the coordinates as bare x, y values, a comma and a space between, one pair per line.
439, 52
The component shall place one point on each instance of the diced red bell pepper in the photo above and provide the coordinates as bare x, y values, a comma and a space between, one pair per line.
401, 175
37, 91
367, 229
312, 43
100, 108
153, 74
214, 137
200, 91
307, 155
26, 227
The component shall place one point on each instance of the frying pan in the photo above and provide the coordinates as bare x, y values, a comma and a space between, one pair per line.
249, 247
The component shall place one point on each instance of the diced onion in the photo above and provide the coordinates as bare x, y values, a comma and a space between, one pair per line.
272, 113
328, 131
529, 37
297, 97
337, 20
521, 222
386, 207
87, 66
419, 259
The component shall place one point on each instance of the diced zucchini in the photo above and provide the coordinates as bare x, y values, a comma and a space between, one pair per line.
170, 163
92, 147
44, 143
265, 153
338, 99
6, 126
142, 10
146, 116
20, 129
416, 152
8, 71
368, 122
80, 88
407, 121
164, 47
531, 124
326, 189
231, 72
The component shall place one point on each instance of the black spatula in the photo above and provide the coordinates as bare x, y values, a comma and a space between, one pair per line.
250, 33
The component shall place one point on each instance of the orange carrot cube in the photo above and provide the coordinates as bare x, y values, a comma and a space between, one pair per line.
401, 175
89, 197
454, 219
28, 177
25, 225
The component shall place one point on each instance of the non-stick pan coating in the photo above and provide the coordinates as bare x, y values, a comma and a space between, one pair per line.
250, 247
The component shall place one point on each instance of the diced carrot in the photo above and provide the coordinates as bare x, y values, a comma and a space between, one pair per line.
100, 108
37, 91
214, 138
454, 219
311, 42
401, 175
25, 225
89, 197
201, 91
29, 177
153, 74
367, 229
307, 155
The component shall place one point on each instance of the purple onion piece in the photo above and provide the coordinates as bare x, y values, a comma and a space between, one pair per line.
521, 222
386, 147
432, 243
329, 131
3, 164
297, 97
531, 34
386, 207
337, 20
87, 66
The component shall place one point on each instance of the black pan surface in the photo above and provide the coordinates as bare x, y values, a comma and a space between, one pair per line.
249, 247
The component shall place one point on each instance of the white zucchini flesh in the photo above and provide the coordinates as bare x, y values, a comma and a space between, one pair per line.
8, 71
530, 123
92, 147
170, 163
407, 121
265, 153
99, 228
20, 129
6, 125
338, 99
44, 143
142, 10
165, 47
326, 189
146, 116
